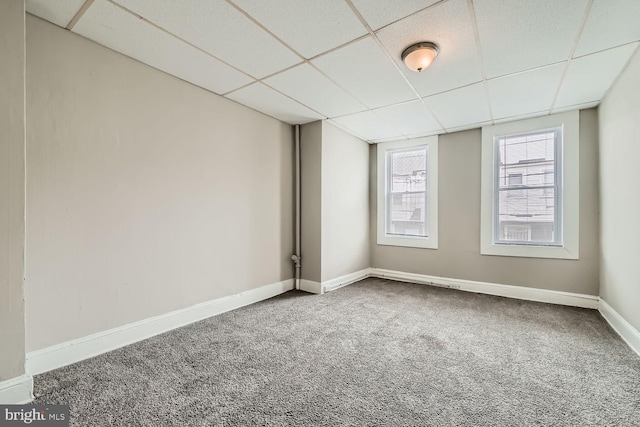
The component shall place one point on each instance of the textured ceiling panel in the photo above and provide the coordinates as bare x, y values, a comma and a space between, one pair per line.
220, 29
264, 99
367, 125
460, 107
309, 27
379, 13
450, 26
521, 35
522, 117
311, 88
469, 126
524, 92
111, 26
575, 107
410, 118
589, 77
368, 72
610, 24
60, 12
376, 141
513, 53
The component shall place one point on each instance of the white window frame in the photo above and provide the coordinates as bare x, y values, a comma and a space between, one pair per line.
431, 241
558, 203
568, 183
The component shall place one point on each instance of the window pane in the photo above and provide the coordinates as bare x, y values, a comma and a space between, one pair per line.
515, 179
532, 210
407, 215
526, 199
408, 170
406, 194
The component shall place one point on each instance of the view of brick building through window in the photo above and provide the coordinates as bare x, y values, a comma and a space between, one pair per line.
527, 208
407, 192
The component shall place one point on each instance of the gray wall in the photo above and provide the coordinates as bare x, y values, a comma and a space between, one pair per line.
311, 209
145, 194
620, 200
345, 203
335, 202
459, 256
12, 163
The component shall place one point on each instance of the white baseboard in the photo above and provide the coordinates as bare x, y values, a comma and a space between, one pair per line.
50, 358
16, 391
619, 324
347, 279
510, 291
310, 286
333, 284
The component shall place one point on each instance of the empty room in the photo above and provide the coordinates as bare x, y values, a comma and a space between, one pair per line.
333, 212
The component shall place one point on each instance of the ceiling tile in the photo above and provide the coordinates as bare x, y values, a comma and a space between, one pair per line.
526, 92
520, 35
274, 104
310, 87
309, 27
469, 126
522, 117
368, 72
610, 24
349, 131
58, 12
367, 125
377, 141
379, 13
576, 107
460, 107
423, 134
221, 30
589, 77
410, 118
111, 26
458, 62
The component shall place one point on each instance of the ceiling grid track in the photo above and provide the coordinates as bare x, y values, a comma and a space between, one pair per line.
178, 38
265, 29
303, 60
350, 72
390, 56
88, 3
476, 34
585, 16
79, 14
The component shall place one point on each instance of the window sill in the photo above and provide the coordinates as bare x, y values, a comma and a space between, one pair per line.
531, 251
408, 242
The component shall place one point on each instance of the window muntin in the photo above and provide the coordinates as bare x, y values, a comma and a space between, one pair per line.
527, 195
406, 192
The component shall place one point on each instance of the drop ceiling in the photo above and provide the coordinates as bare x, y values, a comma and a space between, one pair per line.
303, 60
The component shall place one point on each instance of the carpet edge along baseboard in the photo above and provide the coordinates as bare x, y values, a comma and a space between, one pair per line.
73, 351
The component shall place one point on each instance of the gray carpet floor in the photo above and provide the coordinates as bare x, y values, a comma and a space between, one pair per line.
373, 353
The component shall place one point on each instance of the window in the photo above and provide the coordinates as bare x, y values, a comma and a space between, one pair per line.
530, 188
526, 197
515, 179
407, 193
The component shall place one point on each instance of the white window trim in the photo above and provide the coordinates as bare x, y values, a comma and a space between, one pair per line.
570, 187
430, 242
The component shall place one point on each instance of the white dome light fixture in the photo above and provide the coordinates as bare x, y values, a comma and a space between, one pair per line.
419, 56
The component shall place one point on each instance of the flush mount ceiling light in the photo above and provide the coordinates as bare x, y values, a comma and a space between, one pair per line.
419, 56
